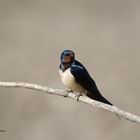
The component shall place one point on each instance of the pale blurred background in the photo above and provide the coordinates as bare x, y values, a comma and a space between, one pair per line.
104, 34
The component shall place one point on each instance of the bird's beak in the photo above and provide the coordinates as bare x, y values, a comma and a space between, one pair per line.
68, 59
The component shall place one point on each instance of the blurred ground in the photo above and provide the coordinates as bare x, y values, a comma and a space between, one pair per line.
105, 36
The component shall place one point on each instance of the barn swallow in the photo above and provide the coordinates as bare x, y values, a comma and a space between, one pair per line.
76, 78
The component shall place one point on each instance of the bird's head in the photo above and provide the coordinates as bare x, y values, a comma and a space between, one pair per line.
67, 57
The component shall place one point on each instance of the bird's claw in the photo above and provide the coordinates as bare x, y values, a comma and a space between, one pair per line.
67, 91
77, 96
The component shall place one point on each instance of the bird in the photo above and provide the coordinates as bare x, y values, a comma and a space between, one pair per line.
76, 77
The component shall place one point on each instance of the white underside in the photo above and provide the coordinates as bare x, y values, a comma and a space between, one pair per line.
69, 81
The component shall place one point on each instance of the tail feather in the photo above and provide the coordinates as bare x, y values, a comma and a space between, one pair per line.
99, 98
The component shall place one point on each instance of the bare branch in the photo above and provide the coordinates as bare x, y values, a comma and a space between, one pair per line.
84, 99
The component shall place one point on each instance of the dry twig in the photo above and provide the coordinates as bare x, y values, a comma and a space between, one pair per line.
84, 99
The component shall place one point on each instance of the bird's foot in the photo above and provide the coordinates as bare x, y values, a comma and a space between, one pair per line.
67, 91
78, 95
